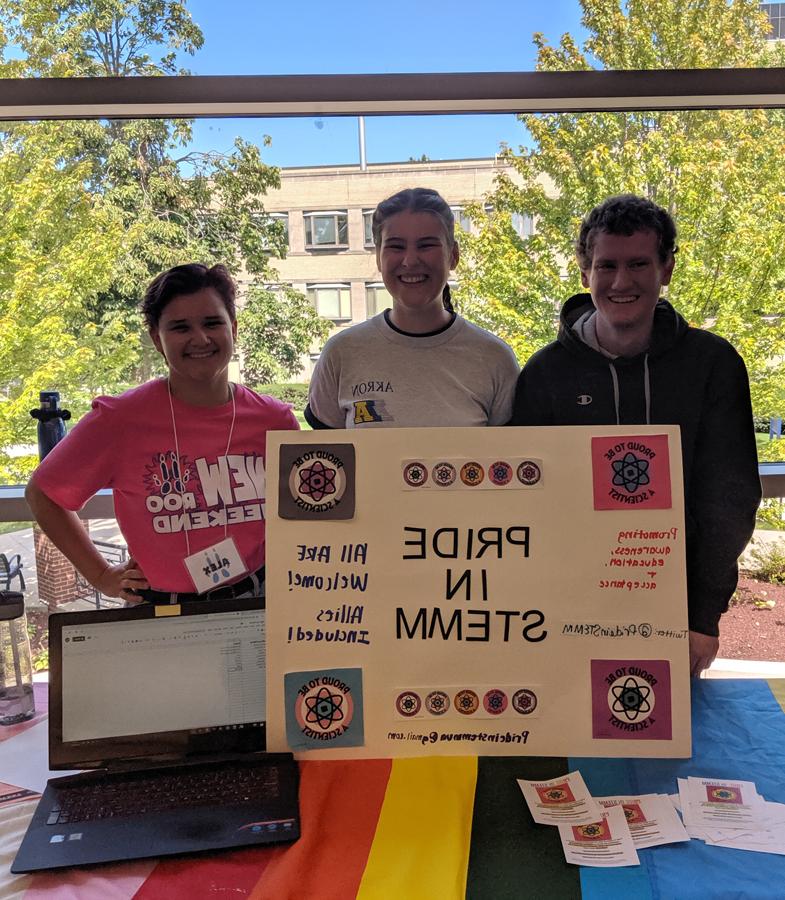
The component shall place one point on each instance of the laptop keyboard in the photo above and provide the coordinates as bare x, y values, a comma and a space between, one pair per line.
144, 792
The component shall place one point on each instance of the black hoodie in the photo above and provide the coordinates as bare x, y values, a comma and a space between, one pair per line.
687, 377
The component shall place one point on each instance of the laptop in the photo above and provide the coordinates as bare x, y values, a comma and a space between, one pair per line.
164, 707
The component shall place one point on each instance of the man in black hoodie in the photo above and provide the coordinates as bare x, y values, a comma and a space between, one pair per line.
624, 356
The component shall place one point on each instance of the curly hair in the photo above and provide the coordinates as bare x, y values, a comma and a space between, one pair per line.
626, 214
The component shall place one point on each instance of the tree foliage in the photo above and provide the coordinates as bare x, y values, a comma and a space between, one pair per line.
92, 210
266, 316
719, 173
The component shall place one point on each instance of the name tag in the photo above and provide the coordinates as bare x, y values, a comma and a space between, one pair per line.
215, 565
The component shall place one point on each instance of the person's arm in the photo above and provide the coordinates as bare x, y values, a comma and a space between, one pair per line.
63, 528
531, 405
506, 378
324, 406
723, 499
311, 419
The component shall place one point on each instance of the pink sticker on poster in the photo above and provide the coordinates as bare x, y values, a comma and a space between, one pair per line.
631, 699
631, 472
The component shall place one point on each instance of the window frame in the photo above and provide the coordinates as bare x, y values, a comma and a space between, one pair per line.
335, 214
311, 292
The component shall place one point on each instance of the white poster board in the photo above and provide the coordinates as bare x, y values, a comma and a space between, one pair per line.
488, 591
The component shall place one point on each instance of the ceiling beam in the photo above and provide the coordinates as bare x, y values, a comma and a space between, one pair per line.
225, 96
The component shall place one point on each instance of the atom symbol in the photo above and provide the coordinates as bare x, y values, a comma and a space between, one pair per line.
444, 474
630, 472
631, 699
724, 794
324, 708
317, 481
556, 794
495, 701
437, 702
591, 830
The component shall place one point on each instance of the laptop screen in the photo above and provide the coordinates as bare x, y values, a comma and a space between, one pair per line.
136, 683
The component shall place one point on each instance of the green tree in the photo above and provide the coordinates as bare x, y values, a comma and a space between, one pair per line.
276, 328
125, 199
57, 247
719, 173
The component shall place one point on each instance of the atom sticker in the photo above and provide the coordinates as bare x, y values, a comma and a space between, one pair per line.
316, 482
494, 702
324, 709
408, 704
443, 474
415, 474
472, 474
631, 699
524, 701
528, 472
500, 473
630, 472
466, 702
437, 703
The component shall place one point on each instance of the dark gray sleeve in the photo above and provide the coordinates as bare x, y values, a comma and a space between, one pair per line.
724, 493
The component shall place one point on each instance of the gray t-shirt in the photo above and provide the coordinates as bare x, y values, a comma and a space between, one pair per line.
372, 374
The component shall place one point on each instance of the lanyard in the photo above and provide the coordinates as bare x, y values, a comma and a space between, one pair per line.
179, 462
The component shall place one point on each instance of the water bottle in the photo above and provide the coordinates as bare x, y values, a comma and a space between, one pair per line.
16, 664
51, 421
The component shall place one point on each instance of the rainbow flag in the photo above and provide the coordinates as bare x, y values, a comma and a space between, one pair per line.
444, 828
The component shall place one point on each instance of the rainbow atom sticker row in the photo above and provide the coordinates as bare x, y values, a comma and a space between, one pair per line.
512, 473
456, 703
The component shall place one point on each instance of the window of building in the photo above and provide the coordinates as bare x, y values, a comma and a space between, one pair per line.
523, 224
377, 298
331, 301
367, 230
776, 14
329, 228
280, 220
461, 218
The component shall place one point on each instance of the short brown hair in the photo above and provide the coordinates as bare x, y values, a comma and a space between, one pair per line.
183, 280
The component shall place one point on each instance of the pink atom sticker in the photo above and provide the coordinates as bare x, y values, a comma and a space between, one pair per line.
631, 472
631, 699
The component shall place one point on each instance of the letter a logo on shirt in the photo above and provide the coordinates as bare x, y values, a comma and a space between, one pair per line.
368, 411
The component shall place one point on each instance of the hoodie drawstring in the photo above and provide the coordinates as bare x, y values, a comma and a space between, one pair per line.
615, 379
646, 389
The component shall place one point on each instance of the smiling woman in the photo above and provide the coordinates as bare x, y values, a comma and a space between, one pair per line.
184, 455
419, 363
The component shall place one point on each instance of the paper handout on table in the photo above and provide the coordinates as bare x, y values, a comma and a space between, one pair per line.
651, 818
607, 842
718, 803
563, 799
772, 841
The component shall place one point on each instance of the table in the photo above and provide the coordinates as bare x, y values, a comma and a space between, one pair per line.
458, 827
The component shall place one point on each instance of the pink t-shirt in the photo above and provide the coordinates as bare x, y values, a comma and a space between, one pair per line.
127, 443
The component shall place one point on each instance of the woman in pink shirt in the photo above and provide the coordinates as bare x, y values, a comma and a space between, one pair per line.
184, 456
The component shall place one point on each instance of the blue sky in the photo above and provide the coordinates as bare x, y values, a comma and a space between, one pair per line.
243, 37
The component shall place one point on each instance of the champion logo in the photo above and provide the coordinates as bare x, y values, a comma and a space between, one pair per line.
584, 399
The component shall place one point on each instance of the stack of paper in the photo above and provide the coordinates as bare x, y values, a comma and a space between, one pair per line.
604, 831
651, 818
731, 814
